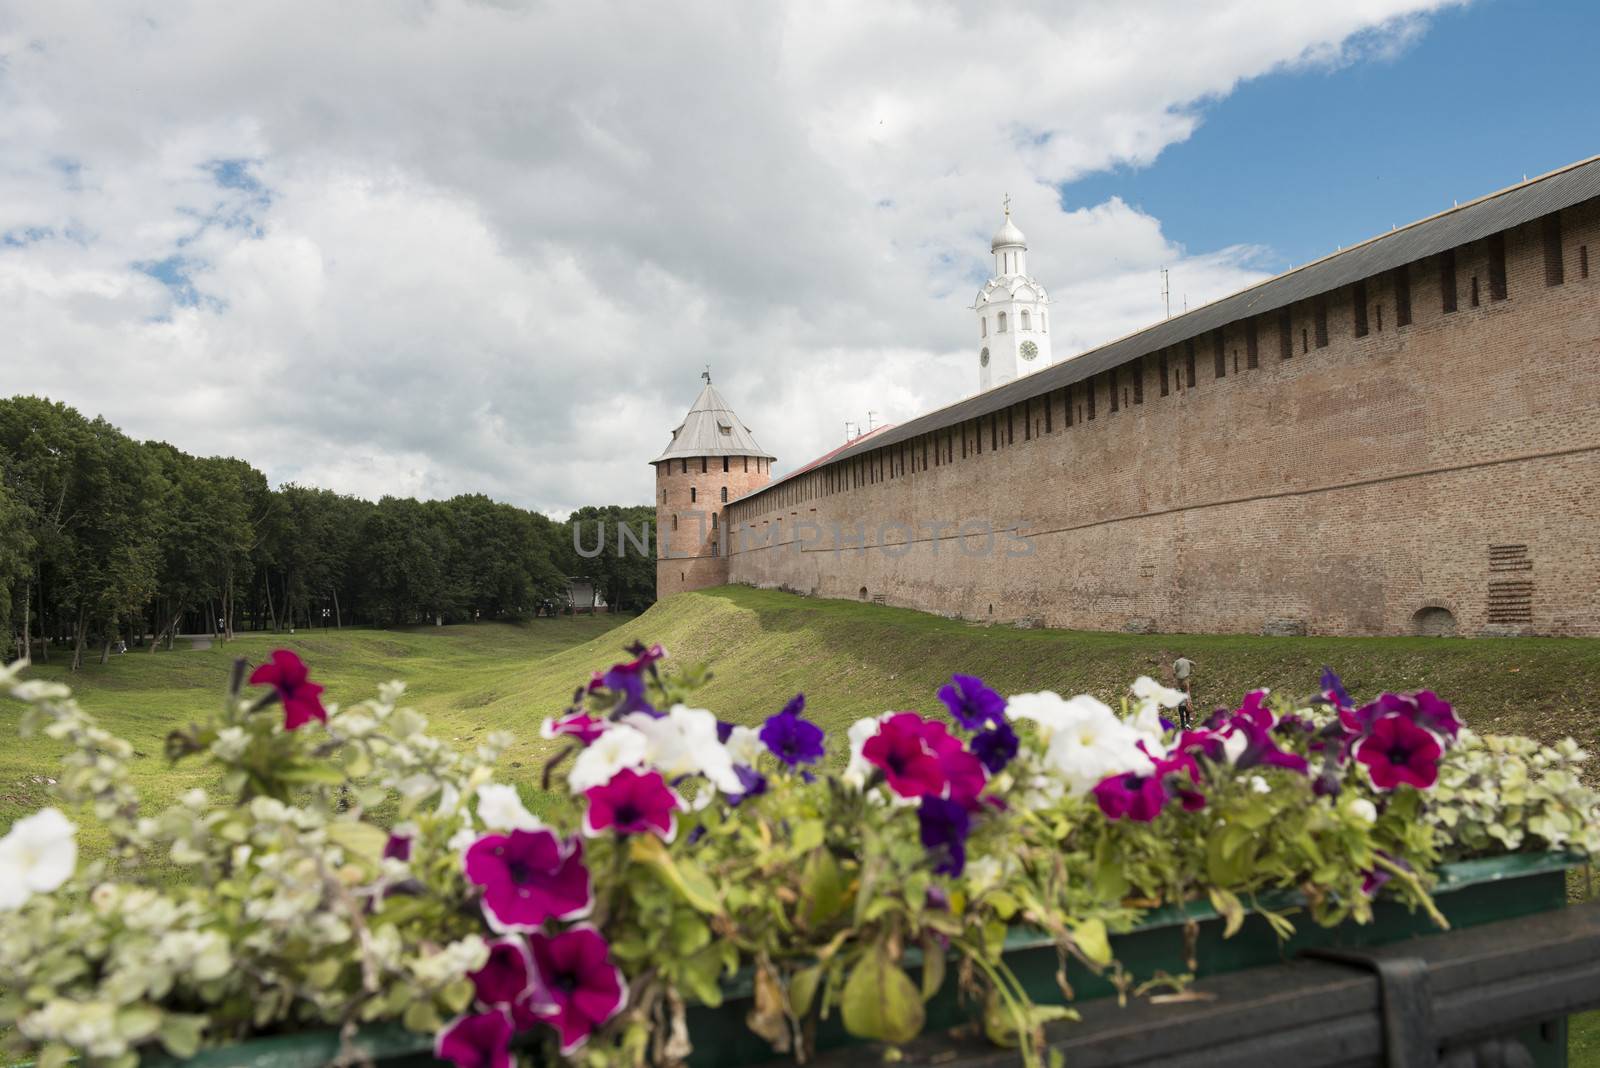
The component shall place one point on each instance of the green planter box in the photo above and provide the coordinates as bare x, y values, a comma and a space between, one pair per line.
1469, 893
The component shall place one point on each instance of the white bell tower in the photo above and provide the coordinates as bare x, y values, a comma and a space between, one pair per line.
1013, 312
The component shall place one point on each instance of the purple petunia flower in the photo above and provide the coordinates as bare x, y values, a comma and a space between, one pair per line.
529, 877
585, 988
398, 847
627, 680
753, 784
944, 825
633, 802
480, 1041
1334, 690
1397, 751
793, 740
506, 976
971, 703
995, 747
1426, 709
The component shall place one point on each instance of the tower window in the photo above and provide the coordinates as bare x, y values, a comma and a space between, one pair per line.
1025, 323
1000, 323
685, 466
1401, 278
1497, 267
724, 496
702, 465
1555, 271
674, 521
983, 326
1138, 382
1285, 336
1044, 323
1358, 301
1111, 387
692, 494
747, 464
1188, 363
724, 464
1088, 389
1583, 261
1447, 279
1321, 323
1473, 300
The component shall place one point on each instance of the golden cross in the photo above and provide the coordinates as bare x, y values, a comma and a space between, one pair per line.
1007, 203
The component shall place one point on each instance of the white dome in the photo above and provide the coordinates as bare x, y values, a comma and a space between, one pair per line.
1008, 234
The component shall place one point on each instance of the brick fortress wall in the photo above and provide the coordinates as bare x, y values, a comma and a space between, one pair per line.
1283, 473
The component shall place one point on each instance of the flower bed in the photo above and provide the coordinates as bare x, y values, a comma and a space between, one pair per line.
359, 872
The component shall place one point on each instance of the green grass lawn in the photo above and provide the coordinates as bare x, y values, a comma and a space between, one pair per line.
850, 659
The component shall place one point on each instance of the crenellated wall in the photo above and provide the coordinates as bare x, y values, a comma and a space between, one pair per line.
1451, 463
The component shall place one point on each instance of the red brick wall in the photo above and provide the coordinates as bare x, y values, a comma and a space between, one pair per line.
1341, 490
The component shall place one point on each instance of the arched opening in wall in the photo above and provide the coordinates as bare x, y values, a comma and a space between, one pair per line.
1025, 325
1434, 622
863, 593
1000, 323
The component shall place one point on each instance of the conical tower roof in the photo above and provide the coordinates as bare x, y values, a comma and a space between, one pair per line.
711, 429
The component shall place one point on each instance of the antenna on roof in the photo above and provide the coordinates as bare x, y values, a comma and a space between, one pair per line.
1166, 293
847, 425
870, 414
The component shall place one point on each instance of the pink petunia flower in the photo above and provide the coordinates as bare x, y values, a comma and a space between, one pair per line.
633, 802
585, 988
506, 976
909, 764
1397, 751
963, 772
286, 673
480, 1041
580, 725
529, 877
1137, 797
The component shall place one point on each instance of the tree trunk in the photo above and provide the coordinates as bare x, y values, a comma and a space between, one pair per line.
338, 619
79, 637
227, 607
272, 612
44, 635
27, 620
105, 652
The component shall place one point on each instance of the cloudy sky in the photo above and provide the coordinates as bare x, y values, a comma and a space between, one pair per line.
426, 248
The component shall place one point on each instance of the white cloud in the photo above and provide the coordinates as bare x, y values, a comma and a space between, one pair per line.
488, 247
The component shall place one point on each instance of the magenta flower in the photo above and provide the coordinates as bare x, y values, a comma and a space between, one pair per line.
506, 976
398, 847
1261, 749
529, 877
286, 673
909, 764
633, 802
580, 725
971, 703
1426, 709
1397, 751
627, 680
1137, 797
963, 772
481, 1041
943, 826
791, 739
585, 988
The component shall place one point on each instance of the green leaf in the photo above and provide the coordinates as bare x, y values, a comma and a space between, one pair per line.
701, 974
688, 934
880, 1000
824, 890
808, 835
691, 883
421, 1017
362, 841
1228, 906
1090, 935
933, 966
309, 775
135, 1023
55, 1055
180, 1034
803, 989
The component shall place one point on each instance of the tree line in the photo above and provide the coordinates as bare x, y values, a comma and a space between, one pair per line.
110, 543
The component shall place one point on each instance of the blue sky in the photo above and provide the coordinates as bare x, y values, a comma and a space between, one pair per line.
1302, 162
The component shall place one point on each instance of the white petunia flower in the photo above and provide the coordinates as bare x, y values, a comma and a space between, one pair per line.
684, 742
1084, 740
501, 809
1260, 785
230, 744
1051, 713
619, 747
1364, 810
1147, 689
856, 772
36, 856
745, 746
